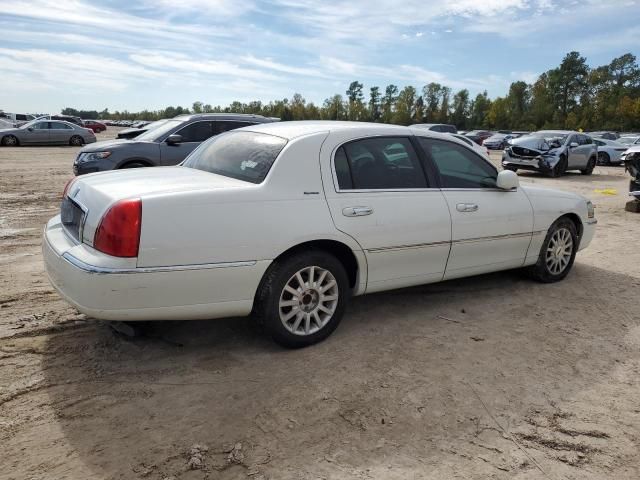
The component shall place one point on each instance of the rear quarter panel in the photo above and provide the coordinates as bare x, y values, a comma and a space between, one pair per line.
256, 222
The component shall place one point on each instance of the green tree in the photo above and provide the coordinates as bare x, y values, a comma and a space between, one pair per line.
374, 104
388, 103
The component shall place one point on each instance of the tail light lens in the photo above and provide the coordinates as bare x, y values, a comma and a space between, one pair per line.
119, 231
68, 186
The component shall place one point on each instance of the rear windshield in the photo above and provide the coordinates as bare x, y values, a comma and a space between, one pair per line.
245, 156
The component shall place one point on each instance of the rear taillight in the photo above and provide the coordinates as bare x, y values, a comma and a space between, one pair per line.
68, 186
119, 230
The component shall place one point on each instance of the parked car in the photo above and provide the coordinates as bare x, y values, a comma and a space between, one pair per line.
499, 141
168, 144
94, 125
438, 127
609, 152
289, 220
478, 148
552, 152
478, 136
605, 135
138, 130
631, 159
65, 118
16, 119
45, 132
629, 140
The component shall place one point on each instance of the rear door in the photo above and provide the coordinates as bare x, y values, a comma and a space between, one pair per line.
576, 157
380, 195
60, 132
491, 228
192, 135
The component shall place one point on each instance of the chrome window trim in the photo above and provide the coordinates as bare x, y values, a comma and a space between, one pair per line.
94, 269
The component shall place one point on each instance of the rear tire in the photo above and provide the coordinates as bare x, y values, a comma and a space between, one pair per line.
76, 141
557, 253
10, 141
591, 164
302, 298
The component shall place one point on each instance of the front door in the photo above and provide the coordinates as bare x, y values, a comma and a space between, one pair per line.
192, 135
38, 133
491, 228
383, 199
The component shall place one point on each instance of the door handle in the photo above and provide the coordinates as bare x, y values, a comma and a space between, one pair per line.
357, 211
466, 207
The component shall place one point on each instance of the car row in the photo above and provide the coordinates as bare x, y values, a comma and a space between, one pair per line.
288, 220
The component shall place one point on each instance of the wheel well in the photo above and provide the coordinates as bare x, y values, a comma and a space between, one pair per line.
338, 249
576, 221
134, 160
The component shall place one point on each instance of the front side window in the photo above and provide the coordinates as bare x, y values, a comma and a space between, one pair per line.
458, 166
40, 126
379, 164
246, 156
196, 132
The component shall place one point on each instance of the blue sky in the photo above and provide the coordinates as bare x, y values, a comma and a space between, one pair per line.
154, 53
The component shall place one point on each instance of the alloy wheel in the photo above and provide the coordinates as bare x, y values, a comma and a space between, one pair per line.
559, 251
308, 300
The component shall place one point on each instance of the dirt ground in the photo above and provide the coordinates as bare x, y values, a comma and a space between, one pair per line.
488, 377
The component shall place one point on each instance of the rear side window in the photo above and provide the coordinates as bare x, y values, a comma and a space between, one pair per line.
458, 166
386, 163
196, 132
246, 156
222, 126
60, 126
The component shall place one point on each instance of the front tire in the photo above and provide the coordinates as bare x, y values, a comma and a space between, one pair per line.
510, 168
557, 253
134, 165
590, 166
603, 158
560, 167
302, 298
10, 141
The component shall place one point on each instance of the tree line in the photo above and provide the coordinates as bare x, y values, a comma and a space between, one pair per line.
572, 95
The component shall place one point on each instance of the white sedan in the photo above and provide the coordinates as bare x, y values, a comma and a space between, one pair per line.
289, 220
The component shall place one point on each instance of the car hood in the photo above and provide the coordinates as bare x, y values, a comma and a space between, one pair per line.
9, 130
112, 144
96, 192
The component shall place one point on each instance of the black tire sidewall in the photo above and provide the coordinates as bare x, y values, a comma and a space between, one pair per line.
5, 138
606, 160
274, 282
76, 144
540, 270
560, 168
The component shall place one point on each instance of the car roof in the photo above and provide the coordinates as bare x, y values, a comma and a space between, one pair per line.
290, 130
561, 132
223, 116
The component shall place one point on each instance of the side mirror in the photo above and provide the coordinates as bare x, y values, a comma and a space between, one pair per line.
507, 180
174, 139
30, 129
573, 144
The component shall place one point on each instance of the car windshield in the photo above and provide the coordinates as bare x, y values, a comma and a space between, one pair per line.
628, 140
551, 137
246, 156
29, 124
156, 133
